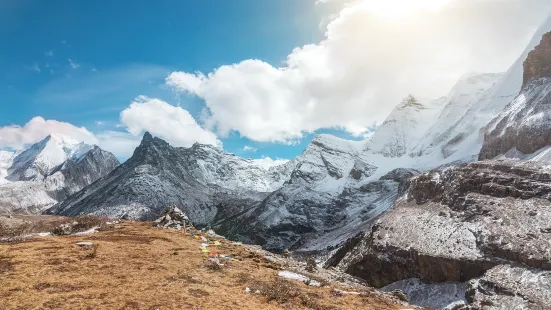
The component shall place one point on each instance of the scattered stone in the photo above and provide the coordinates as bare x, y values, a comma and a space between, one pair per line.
400, 295
84, 244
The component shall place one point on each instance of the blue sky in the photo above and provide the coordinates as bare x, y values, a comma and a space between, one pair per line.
83, 62
266, 75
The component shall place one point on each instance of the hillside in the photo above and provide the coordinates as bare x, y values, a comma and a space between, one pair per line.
138, 267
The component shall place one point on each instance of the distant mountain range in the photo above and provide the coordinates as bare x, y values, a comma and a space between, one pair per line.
408, 203
48, 172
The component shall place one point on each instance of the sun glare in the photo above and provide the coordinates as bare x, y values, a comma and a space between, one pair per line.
402, 8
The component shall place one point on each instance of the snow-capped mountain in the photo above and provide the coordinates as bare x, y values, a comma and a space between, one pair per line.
403, 128
42, 158
48, 172
454, 133
459, 132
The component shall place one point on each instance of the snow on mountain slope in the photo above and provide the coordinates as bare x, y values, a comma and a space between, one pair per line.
41, 158
6, 160
403, 128
48, 172
472, 102
216, 166
334, 191
458, 134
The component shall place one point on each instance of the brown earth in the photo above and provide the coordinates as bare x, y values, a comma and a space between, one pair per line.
134, 266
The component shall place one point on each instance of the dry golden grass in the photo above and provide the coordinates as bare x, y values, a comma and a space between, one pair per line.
138, 267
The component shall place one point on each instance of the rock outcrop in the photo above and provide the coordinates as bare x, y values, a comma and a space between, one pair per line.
457, 224
525, 123
538, 63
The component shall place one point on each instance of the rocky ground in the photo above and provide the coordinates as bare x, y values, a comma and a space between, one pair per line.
484, 226
135, 266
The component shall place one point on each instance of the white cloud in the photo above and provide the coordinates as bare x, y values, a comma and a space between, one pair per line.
267, 162
35, 67
366, 64
121, 144
73, 64
49, 53
248, 148
17, 137
171, 123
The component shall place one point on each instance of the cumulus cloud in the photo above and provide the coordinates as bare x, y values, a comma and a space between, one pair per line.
365, 65
267, 162
120, 143
17, 137
174, 124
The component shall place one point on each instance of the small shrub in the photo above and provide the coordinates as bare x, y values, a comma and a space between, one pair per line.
243, 278
61, 230
198, 293
6, 265
93, 254
87, 222
184, 277
15, 230
214, 266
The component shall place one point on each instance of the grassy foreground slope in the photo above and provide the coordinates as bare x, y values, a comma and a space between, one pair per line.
134, 266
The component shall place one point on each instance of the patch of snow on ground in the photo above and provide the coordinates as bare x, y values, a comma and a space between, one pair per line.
298, 277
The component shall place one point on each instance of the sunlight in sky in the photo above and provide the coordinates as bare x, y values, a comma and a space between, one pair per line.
401, 8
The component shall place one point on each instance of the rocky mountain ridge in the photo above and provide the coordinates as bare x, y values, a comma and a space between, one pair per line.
204, 181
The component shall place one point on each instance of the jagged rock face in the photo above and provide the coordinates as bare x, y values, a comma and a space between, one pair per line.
76, 174
538, 63
458, 223
204, 181
48, 172
525, 123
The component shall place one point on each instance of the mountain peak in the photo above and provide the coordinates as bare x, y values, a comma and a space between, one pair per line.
147, 136
60, 139
149, 140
